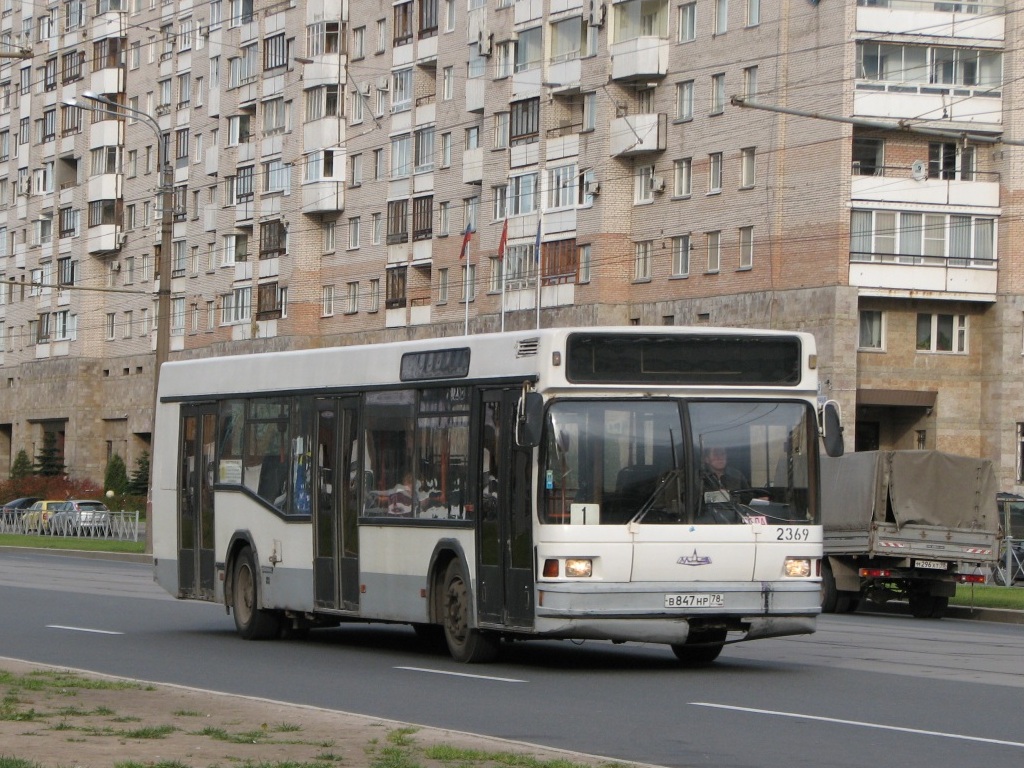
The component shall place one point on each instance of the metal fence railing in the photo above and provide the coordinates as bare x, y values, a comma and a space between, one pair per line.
119, 526
1011, 562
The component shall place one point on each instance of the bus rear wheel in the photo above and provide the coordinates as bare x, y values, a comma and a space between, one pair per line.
701, 648
251, 622
465, 643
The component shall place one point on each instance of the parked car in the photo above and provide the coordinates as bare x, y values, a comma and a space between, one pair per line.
80, 517
37, 517
13, 511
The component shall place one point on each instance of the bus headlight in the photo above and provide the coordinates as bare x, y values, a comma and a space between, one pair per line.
797, 567
579, 567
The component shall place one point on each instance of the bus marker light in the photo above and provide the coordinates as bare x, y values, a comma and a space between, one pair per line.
797, 567
579, 568
551, 569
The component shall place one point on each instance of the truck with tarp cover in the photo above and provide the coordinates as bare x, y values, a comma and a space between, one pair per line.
906, 525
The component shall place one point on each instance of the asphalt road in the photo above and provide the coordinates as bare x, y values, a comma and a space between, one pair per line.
865, 690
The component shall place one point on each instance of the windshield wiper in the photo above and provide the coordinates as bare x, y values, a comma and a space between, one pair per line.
648, 505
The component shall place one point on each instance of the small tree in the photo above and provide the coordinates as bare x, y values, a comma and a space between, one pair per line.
48, 461
116, 477
22, 466
139, 485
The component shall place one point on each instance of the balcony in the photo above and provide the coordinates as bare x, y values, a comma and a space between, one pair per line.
324, 196
908, 184
981, 21
945, 103
640, 58
921, 276
638, 134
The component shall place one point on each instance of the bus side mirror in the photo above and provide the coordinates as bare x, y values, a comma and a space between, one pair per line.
530, 420
832, 428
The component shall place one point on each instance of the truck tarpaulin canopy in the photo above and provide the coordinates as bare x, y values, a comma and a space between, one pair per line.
909, 488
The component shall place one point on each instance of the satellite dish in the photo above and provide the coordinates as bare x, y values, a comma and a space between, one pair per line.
918, 170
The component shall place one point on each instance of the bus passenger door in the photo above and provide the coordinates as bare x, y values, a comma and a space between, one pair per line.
505, 584
197, 472
337, 484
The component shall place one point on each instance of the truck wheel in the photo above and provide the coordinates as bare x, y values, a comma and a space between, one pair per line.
251, 622
925, 606
829, 593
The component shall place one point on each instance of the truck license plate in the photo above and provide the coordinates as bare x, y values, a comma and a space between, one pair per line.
703, 600
935, 565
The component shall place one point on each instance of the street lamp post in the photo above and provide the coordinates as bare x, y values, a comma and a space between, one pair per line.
163, 264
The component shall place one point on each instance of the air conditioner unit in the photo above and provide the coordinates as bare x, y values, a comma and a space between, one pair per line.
204, 30
122, 238
384, 83
657, 184
597, 12
24, 187
115, 266
594, 188
364, 88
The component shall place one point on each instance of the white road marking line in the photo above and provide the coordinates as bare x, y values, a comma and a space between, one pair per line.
83, 629
861, 724
461, 674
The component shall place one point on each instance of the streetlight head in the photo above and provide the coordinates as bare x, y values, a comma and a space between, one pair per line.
91, 96
71, 101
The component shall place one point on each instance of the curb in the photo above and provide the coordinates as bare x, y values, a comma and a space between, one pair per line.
124, 557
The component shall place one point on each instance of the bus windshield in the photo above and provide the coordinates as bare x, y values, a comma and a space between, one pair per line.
610, 462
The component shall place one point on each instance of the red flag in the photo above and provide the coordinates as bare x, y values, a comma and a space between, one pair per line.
503, 240
465, 243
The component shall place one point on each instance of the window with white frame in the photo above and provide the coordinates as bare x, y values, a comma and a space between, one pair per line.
941, 333
501, 126
747, 168
718, 93
275, 116
401, 156
327, 300
354, 224
424, 150
376, 228
328, 231
681, 256
746, 240
401, 90
562, 186
583, 257
352, 305
871, 334
643, 184
714, 251
926, 65
721, 21
753, 13
447, 83
910, 237
442, 286
684, 100
714, 172
687, 27
682, 177
373, 303
236, 306
236, 248
568, 39
522, 194
529, 49
640, 18
750, 82
642, 254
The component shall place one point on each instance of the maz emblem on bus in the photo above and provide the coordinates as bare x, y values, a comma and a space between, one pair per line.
694, 559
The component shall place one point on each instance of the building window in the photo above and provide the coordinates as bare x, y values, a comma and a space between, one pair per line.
942, 333
747, 168
905, 237
469, 282
642, 260
872, 332
442, 286
750, 82
714, 251
924, 65
398, 221
353, 233
423, 218
682, 181
522, 194
327, 300
681, 256
524, 122
717, 94
687, 23
714, 173
328, 229
273, 239
721, 16
643, 184
269, 301
583, 259
396, 282
374, 302
951, 160
684, 100
746, 247
753, 13
868, 156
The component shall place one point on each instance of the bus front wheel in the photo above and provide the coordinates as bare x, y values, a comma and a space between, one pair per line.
465, 643
251, 622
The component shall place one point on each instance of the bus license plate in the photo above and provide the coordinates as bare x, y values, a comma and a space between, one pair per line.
703, 600
935, 565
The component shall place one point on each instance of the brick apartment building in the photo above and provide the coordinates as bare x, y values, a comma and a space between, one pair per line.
846, 167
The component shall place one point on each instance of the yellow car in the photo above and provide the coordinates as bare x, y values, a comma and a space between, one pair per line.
37, 517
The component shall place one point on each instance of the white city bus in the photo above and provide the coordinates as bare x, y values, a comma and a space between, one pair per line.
544, 484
